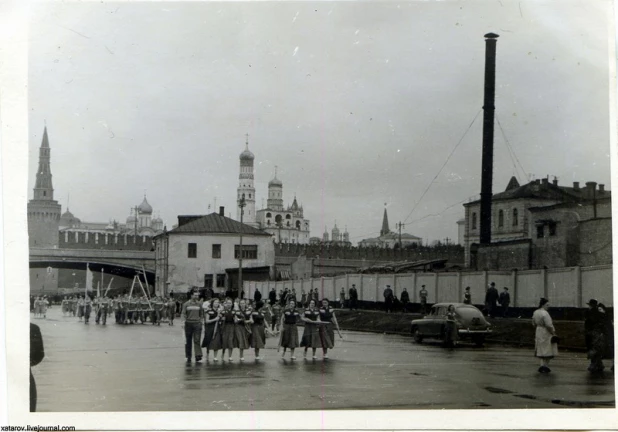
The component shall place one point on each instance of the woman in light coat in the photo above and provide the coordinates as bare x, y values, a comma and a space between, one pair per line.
543, 346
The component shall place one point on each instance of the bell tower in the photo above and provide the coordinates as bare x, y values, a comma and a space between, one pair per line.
246, 186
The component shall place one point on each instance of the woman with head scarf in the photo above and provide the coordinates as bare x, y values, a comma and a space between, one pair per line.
545, 345
289, 332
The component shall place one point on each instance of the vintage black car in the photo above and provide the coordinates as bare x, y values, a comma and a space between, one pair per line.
471, 324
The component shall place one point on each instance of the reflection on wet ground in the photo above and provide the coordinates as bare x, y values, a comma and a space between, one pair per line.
142, 368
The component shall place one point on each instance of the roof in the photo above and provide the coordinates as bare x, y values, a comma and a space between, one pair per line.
541, 190
569, 204
400, 266
214, 223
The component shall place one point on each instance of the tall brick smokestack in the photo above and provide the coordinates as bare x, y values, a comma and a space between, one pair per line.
488, 137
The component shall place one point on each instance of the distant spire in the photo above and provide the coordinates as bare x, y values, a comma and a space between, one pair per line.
43, 189
246, 141
275, 171
45, 143
385, 229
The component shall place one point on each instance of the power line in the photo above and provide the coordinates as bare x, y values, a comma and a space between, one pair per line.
510, 147
443, 165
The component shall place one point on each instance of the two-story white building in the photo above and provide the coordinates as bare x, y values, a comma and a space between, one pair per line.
204, 252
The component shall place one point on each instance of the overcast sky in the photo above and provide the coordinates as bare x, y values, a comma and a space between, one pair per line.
358, 104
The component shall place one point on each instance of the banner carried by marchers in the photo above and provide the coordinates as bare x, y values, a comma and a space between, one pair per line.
89, 279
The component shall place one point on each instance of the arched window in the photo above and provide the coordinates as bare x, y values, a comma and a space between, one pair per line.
473, 221
501, 218
288, 223
515, 217
278, 219
287, 216
297, 224
268, 215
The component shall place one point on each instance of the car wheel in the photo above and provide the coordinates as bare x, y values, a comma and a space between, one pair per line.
417, 336
479, 341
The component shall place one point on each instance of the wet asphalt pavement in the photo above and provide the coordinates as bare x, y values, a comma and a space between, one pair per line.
142, 368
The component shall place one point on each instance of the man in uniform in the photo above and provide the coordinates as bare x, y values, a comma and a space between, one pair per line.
491, 297
272, 297
192, 316
422, 295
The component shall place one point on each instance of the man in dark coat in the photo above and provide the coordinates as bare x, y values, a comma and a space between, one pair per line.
257, 296
37, 353
388, 299
467, 296
405, 300
491, 297
272, 297
353, 298
505, 301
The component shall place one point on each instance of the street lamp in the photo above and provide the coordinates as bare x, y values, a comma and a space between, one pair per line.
74, 281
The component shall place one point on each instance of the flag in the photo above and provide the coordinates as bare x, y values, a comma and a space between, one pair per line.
88, 278
98, 289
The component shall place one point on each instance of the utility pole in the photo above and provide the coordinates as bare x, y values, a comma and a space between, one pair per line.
399, 226
241, 204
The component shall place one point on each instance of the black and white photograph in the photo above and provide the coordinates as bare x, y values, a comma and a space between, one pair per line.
310, 215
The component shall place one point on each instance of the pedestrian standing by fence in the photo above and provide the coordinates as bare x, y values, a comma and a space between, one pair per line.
405, 300
545, 339
342, 298
388, 299
192, 316
505, 301
491, 297
467, 296
422, 295
353, 299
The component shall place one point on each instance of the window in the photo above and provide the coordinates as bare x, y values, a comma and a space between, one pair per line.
220, 281
287, 216
552, 229
216, 251
207, 281
297, 224
249, 195
192, 252
473, 221
539, 231
268, 215
278, 219
515, 217
500, 218
288, 223
248, 251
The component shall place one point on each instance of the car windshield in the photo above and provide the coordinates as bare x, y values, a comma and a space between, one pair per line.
468, 312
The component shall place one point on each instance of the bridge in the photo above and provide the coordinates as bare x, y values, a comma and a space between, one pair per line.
115, 262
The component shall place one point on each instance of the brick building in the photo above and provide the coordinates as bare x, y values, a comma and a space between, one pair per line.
542, 224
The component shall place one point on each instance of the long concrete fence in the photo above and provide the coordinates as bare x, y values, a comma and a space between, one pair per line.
564, 287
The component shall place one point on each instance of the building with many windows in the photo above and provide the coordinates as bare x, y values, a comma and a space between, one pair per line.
541, 224
204, 252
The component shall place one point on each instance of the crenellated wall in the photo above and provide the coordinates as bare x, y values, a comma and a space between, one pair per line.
105, 241
453, 253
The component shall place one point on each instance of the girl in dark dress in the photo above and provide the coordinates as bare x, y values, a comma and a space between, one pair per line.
212, 340
311, 333
242, 321
258, 329
226, 327
450, 337
327, 331
289, 332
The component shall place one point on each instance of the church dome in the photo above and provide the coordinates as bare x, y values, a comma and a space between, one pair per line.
247, 155
131, 219
144, 207
275, 182
67, 215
